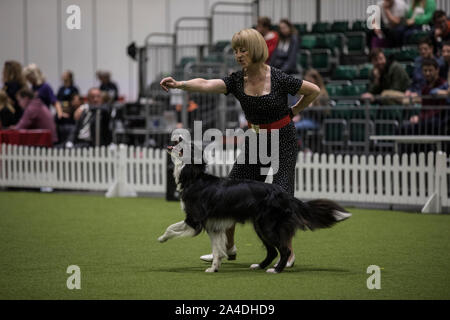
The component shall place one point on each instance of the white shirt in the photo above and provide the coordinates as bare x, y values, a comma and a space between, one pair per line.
398, 9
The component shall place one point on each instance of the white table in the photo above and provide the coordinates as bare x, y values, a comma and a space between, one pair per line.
413, 139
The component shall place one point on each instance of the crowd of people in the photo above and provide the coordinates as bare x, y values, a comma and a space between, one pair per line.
389, 82
27, 101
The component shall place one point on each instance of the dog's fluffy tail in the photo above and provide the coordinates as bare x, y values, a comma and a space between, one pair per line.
321, 213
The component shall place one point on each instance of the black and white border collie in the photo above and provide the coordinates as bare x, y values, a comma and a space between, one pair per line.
215, 204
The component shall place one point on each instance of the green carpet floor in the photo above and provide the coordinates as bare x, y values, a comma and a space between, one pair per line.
113, 241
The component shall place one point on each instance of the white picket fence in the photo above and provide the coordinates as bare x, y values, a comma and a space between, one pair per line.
124, 170
98, 168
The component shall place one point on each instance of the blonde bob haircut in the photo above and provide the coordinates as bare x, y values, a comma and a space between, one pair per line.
254, 42
32, 71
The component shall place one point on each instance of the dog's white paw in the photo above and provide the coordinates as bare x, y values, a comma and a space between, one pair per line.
162, 239
271, 270
255, 266
211, 270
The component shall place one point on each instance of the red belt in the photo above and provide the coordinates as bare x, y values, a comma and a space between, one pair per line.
274, 125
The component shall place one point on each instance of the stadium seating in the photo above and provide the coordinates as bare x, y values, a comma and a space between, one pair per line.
345, 72
302, 28
416, 37
340, 26
321, 27
304, 59
308, 41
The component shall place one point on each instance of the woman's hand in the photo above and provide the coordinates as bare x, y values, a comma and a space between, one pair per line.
169, 83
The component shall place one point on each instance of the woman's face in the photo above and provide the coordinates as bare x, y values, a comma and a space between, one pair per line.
242, 57
284, 29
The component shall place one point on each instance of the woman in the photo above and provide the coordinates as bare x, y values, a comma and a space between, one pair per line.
67, 90
285, 55
13, 81
42, 89
263, 93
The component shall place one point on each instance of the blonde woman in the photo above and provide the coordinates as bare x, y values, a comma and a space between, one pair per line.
263, 93
42, 89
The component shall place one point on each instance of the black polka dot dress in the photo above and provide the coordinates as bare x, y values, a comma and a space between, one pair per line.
267, 109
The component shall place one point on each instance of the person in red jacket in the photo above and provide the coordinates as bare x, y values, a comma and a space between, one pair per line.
270, 36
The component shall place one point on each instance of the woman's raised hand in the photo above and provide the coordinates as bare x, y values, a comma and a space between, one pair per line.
168, 83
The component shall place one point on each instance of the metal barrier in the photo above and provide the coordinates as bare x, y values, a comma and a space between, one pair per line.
228, 18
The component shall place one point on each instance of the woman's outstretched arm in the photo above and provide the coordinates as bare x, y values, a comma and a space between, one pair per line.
195, 85
309, 91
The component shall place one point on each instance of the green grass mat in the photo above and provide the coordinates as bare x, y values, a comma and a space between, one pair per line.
113, 241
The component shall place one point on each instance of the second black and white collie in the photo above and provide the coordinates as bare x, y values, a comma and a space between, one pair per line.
215, 204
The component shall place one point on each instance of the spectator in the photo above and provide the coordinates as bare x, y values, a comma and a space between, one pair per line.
418, 80
42, 89
106, 85
36, 114
429, 121
92, 128
284, 57
393, 13
303, 122
420, 13
7, 111
263, 26
444, 72
441, 30
76, 103
13, 81
67, 90
388, 77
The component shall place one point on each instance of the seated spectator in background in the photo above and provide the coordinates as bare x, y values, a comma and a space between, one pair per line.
441, 30
263, 26
36, 114
444, 72
390, 33
42, 89
284, 57
13, 81
388, 78
66, 91
106, 85
418, 79
7, 111
302, 121
429, 121
92, 128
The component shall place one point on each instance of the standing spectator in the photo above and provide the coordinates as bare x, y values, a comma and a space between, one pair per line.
36, 114
429, 121
106, 85
263, 26
420, 13
444, 72
67, 90
418, 80
390, 33
441, 30
92, 128
284, 57
42, 89
388, 77
13, 81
